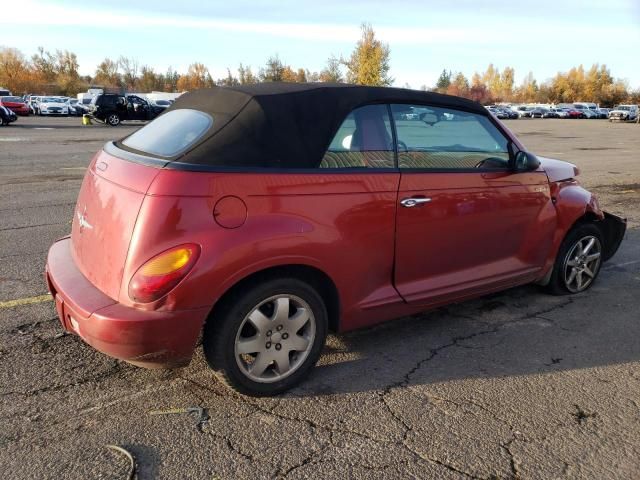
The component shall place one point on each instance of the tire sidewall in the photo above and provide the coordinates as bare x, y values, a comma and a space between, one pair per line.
220, 334
557, 284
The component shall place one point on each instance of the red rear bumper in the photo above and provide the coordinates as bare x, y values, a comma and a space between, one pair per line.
150, 339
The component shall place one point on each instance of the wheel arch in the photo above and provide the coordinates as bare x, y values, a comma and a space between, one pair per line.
315, 277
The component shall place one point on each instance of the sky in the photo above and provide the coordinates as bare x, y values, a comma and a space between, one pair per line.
541, 36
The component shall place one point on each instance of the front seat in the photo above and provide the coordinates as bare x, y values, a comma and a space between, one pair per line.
372, 139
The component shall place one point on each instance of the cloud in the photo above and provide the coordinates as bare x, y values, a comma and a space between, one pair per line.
47, 15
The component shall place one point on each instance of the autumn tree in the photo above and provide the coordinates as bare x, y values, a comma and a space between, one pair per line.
369, 62
332, 71
479, 92
15, 71
273, 71
107, 74
197, 76
44, 66
528, 90
149, 80
507, 84
444, 80
245, 75
229, 80
129, 67
459, 86
288, 75
171, 80
67, 76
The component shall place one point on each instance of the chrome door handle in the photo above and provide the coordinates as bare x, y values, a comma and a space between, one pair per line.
414, 202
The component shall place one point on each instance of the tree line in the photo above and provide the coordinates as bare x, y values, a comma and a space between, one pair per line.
56, 73
492, 86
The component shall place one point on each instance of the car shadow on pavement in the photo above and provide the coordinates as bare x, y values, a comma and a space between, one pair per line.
521, 331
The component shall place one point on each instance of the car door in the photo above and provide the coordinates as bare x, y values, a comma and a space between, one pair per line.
466, 221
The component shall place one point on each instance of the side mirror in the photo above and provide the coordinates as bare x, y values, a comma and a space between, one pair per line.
526, 162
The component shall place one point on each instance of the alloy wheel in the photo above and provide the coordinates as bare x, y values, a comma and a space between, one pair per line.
581, 263
275, 338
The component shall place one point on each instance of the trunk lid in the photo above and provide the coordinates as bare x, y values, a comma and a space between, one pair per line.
110, 198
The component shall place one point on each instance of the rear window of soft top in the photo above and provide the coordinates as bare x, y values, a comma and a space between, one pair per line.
171, 133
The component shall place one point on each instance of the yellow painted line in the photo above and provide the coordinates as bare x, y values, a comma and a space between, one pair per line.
25, 301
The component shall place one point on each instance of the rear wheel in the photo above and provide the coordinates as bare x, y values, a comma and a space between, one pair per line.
113, 119
265, 340
578, 262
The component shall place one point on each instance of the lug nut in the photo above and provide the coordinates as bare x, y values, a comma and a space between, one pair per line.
269, 333
279, 327
285, 335
278, 346
268, 345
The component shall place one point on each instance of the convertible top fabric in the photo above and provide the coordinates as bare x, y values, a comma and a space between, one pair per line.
286, 125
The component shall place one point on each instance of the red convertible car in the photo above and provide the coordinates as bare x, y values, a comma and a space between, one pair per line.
260, 217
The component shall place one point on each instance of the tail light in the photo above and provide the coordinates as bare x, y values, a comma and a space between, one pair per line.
159, 275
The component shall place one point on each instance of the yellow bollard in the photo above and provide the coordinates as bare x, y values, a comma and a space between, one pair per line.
86, 120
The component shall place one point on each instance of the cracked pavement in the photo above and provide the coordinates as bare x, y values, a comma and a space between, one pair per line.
515, 385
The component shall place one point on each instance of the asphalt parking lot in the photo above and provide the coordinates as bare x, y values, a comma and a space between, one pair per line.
515, 385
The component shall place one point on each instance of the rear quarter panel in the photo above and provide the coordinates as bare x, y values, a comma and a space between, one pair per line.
342, 224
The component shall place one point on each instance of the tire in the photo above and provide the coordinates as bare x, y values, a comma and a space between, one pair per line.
113, 119
586, 236
254, 314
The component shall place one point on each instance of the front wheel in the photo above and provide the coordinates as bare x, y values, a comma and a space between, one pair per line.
578, 262
113, 119
264, 341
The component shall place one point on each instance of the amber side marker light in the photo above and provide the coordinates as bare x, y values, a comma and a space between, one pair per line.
159, 275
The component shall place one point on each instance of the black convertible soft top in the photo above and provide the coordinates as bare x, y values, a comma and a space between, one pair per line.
286, 125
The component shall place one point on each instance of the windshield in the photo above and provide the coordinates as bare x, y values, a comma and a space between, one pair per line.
624, 108
52, 100
12, 99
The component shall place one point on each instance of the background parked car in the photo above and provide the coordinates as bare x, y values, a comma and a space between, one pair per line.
550, 113
538, 112
498, 112
573, 113
16, 104
524, 111
53, 106
588, 113
561, 112
4, 92
113, 108
6, 116
76, 109
603, 112
624, 112
510, 113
